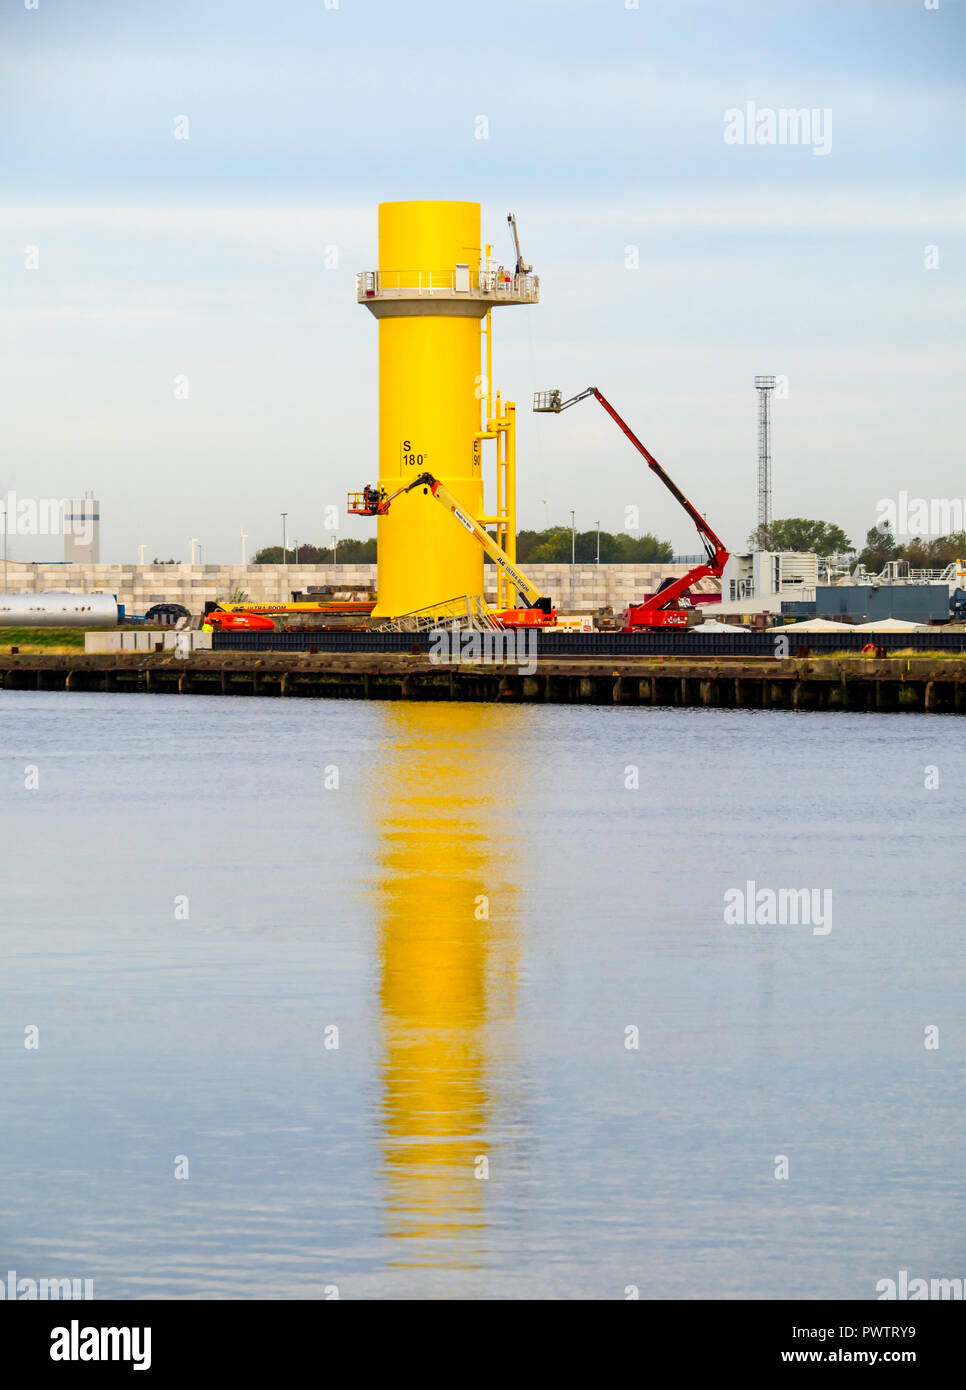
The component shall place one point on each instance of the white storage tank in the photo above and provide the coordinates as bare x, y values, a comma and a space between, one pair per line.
55, 608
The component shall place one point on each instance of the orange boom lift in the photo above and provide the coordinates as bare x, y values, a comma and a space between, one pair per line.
537, 611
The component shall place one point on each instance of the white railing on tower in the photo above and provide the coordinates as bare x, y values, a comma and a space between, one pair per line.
372, 283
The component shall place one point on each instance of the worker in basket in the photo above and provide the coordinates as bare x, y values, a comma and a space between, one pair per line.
370, 498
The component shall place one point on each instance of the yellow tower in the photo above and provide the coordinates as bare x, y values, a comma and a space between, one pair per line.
434, 285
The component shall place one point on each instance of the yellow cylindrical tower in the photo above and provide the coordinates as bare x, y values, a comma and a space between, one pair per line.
429, 372
431, 290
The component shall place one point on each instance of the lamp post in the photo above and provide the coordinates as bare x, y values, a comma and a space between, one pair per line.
284, 560
573, 555
598, 542
4, 547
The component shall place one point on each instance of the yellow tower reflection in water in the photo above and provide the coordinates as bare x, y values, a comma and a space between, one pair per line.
446, 888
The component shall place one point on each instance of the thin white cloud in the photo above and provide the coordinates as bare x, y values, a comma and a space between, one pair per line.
70, 313
293, 226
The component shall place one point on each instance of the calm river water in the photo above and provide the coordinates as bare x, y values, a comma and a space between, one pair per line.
430, 1000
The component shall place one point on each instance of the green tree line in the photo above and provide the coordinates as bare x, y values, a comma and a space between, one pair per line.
798, 533
922, 554
349, 551
825, 538
551, 546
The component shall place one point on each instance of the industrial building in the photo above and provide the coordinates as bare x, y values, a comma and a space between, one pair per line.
856, 603
798, 585
82, 530
762, 580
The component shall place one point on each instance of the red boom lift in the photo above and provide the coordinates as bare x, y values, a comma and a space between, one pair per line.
662, 610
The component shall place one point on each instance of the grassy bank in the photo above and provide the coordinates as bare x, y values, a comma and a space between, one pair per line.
42, 639
58, 641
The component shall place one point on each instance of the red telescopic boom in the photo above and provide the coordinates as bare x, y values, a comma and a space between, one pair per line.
717, 554
661, 609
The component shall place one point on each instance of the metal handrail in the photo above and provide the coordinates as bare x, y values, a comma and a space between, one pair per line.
466, 612
893, 573
372, 283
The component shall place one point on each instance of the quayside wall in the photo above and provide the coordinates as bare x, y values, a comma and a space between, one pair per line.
896, 684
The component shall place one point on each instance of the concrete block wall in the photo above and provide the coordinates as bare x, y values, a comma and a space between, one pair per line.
585, 588
576, 589
139, 587
136, 640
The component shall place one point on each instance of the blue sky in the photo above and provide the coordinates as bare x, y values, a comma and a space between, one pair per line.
204, 257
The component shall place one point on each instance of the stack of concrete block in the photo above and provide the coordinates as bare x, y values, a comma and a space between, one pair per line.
586, 588
135, 640
575, 589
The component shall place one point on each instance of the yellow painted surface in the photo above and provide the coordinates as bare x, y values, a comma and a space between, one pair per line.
447, 964
429, 376
428, 235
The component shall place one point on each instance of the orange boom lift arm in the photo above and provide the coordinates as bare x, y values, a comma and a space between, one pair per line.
663, 609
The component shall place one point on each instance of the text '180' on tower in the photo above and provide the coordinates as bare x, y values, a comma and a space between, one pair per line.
432, 294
